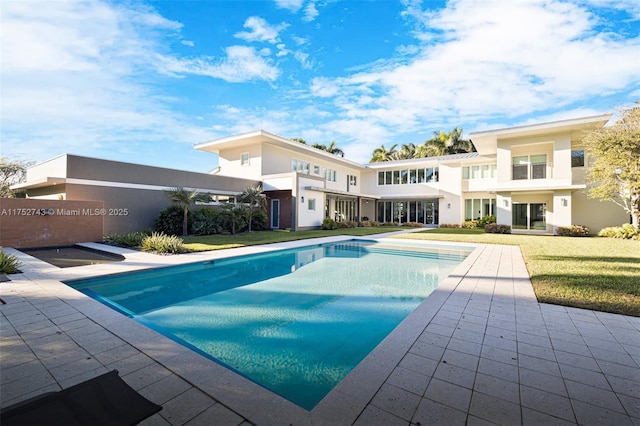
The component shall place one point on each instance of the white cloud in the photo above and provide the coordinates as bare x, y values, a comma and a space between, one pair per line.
292, 5
260, 30
241, 63
303, 58
188, 43
310, 12
483, 59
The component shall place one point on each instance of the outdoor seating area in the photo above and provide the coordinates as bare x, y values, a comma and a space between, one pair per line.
479, 350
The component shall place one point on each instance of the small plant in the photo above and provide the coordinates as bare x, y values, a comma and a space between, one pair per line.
162, 243
413, 224
573, 231
329, 224
494, 228
626, 231
481, 223
347, 224
449, 225
469, 224
9, 264
365, 224
169, 220
206, 221
129, 239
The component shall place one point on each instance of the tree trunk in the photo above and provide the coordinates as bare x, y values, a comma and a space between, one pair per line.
185, 221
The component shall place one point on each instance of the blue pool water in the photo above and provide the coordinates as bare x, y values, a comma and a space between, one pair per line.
295, 321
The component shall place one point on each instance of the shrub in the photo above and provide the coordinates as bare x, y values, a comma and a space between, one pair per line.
259, 221
347, 224
573, 231
469, 224
162, 243
374, 223
329, 224
449, 225
128, 239
364, 219
365, 224
494, 228
626, 231
169, 220
390, 224
206, 221
481, 223
9, 264
413, 224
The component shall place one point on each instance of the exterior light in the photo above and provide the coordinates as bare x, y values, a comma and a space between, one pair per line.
302, 199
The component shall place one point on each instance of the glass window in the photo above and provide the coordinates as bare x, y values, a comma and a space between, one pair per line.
421, 176
404, 177
484, 171
539, 166
353, 180
429, 174
412, 176
396, 177
380, 178
577, 158
465, 172
312, 204
475, 172
316, 170
520, 167
387, 177
244, 159
436, 174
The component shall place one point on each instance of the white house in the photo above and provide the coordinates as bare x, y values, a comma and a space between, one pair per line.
530, 177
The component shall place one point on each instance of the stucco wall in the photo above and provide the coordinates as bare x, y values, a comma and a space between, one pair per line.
44, 223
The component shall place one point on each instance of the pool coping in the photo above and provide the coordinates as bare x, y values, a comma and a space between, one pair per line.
343, 404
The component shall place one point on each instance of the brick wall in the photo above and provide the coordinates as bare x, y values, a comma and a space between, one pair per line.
44, 223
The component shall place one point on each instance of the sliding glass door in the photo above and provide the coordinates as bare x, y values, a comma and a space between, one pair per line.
530, 216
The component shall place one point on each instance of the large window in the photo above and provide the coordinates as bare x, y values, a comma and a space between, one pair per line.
425, 212
477, 208
300, 166
577, 158
529, 167
329, 174
408, 176
481, 171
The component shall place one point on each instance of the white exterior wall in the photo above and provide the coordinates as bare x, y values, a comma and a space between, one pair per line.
307, 217
230, 165
56, 167
451, 205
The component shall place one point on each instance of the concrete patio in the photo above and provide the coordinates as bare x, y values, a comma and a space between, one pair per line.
480, 350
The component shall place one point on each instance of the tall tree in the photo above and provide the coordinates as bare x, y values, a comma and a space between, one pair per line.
254, 198
614, 163
331, 149
12, 172
443, 143
185, 199
383, 154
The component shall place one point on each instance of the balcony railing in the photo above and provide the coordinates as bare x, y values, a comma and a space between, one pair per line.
531, 171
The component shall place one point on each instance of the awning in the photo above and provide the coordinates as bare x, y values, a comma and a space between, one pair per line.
341, 193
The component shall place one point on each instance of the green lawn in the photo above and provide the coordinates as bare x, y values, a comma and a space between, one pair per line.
593, 273
219, 241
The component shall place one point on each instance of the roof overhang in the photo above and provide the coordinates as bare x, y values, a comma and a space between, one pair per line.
486, 142
260, 136
341, 193
538, 188
39, 183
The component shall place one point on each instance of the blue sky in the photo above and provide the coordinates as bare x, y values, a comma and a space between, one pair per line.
144, 81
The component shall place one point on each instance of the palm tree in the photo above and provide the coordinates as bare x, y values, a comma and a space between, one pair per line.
185, 199
443, 143
254, 198
235, 214
382, 154
300, 140
331, 149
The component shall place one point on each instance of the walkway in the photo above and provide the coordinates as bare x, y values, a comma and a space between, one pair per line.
480, 350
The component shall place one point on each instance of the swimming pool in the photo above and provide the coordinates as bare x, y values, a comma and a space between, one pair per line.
295, 321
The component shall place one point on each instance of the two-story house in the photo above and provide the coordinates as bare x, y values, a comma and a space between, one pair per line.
532, 178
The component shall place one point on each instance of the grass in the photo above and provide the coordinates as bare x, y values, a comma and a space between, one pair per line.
220, 241
593, 273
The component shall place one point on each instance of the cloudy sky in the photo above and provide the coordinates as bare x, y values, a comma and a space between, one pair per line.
144, 81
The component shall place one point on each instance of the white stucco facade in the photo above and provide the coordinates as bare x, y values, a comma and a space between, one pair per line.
531, 178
